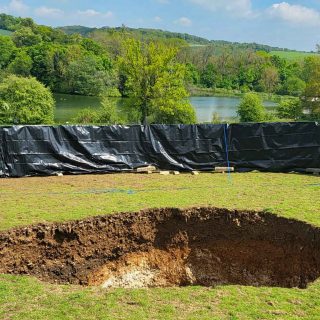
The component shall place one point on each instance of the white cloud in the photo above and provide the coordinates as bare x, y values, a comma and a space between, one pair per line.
91, 13
46, 12
184, 21
296, 14
157, 19
238, 7
16, 7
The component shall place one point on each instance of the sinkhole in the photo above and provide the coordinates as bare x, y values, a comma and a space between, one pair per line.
167, 248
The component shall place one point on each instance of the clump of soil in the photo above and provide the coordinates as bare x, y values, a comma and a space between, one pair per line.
167, 247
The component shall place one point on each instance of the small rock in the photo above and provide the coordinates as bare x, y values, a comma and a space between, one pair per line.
165, 173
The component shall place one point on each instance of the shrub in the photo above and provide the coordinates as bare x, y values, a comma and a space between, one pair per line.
108, 114
25, 101
251, 108
289, 109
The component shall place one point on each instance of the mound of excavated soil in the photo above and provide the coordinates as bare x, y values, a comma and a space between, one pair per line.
167, 247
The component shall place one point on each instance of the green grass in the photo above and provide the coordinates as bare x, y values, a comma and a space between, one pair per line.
293, 55
33, 200
5, 32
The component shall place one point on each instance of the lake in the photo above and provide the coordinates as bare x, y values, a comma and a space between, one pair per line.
67, 106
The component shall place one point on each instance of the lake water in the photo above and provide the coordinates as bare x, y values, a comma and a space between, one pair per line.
67, 106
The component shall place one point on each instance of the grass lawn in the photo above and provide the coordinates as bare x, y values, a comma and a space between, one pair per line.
33, 200
293, 55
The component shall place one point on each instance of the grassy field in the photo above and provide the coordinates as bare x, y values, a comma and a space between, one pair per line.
33, 200
293, 55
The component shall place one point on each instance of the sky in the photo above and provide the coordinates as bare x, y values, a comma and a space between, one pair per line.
289, 24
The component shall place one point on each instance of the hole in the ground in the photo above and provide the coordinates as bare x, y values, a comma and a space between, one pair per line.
167, 247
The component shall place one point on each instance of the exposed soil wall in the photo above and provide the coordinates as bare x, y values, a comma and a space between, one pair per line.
167, 247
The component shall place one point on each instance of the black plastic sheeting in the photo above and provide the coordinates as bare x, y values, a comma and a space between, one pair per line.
49, 150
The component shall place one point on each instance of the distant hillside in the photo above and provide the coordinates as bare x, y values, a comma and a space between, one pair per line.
84, 31
293, 55
147, 34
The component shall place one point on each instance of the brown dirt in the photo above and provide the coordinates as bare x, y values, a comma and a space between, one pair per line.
167, 247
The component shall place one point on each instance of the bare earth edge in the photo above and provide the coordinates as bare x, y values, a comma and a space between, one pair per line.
165, 248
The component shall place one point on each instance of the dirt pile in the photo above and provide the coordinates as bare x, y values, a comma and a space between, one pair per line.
167, 247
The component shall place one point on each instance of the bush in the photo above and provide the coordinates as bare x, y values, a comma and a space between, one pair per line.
251, 108
86, 116
289, 109
175, 113
216, 118
107, 115
25, 101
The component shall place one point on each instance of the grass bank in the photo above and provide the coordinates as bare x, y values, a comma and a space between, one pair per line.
34, 200
220, 92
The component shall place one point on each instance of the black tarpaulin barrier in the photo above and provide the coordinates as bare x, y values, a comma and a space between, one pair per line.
49, 150
3, 169
277, 147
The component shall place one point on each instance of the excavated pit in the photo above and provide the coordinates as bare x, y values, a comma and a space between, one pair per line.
166, 248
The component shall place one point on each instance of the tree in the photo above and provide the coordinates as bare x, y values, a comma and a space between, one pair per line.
7, 49
289, 109
155, 81
25, 101
269, 79
251, 108
208, 76
21, 65
311, 97
293, 86
26, 37
88, 76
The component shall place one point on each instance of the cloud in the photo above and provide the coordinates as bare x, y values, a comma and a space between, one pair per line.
238, 7
16, 7
157, 19
91, 13
184, 21
46, 12
295, 14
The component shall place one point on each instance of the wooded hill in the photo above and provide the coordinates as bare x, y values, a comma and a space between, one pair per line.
146, 34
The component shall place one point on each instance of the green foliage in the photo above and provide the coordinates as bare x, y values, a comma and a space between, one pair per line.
155, 81
21, 65
87, 76
269, 79
293, 86
25, 101
251, 108
292, 55
289, 109
311, 99
26, 37
208, 76
152, 67
192, 74
86, 116
107, 115
7, 49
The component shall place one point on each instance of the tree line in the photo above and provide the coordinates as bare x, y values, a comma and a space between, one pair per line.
154, 72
